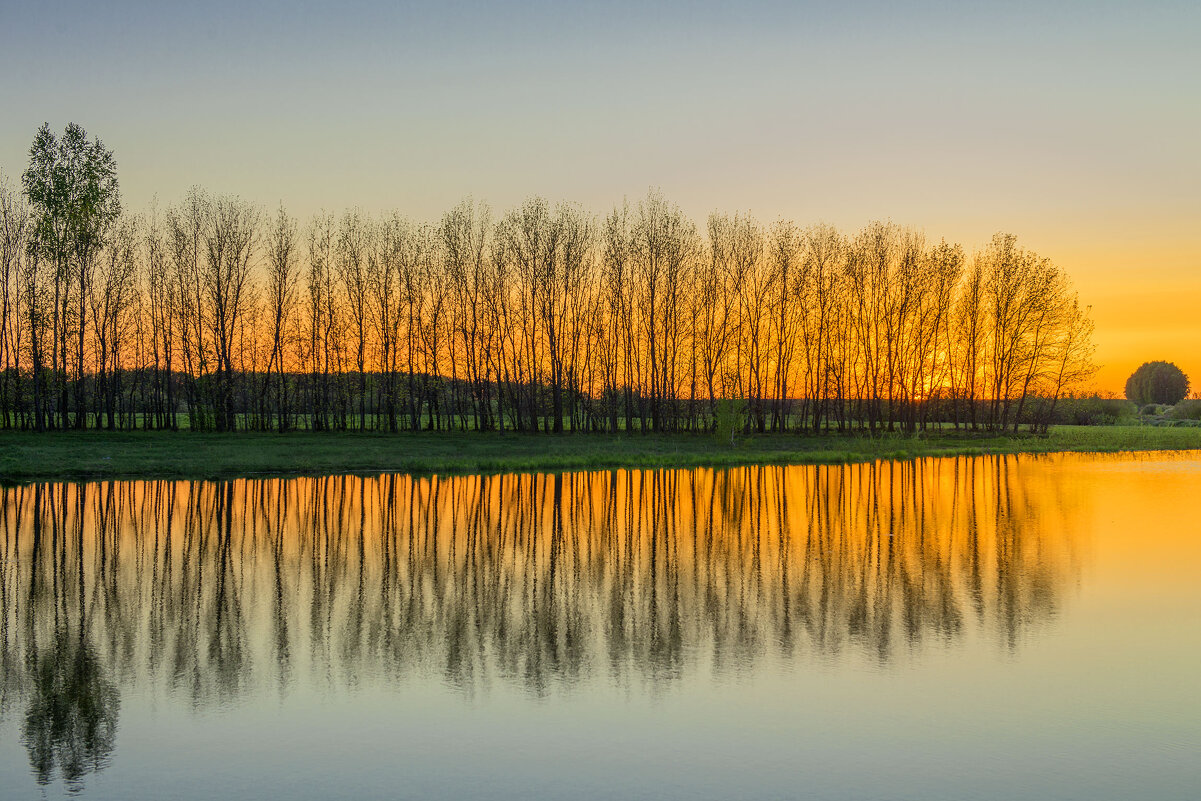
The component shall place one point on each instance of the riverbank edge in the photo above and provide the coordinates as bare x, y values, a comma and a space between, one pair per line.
93, 455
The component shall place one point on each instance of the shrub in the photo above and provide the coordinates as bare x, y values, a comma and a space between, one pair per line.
1186, 410
1094, 411
730, 418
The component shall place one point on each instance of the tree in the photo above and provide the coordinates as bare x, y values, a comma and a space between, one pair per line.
113, 305
162, 303
322, 318
1157, 382
664, 249
620, 347
230, 235
387, 304
282, 280
464, 233
544, 320
352, 253
71, 185
1072, 361
14, 236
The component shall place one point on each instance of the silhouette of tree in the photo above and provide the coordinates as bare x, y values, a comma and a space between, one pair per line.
542, 319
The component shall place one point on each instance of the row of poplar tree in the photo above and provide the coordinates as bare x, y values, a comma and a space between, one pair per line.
214, 315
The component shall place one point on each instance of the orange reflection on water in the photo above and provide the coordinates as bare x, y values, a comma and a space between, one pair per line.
537, 579
1064, 584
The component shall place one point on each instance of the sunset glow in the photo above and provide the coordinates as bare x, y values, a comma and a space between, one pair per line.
1072, 126
656, 400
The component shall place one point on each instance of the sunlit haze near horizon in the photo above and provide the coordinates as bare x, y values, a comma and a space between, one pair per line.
1074, 127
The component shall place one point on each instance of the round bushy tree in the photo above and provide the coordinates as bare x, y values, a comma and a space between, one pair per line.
1157, 382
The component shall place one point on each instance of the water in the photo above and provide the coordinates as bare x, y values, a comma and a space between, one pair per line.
992, 627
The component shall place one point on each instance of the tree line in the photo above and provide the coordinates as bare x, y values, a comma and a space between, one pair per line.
214, 314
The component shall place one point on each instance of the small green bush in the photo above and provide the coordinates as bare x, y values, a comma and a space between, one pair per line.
730, 418
1186, 410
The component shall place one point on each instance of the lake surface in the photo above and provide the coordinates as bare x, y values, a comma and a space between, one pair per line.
966, 628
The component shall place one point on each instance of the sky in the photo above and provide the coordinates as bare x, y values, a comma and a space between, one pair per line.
1074, 125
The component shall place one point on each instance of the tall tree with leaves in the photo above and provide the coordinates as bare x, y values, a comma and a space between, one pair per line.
71, 184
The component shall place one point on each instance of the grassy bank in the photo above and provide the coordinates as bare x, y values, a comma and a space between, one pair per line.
87, 455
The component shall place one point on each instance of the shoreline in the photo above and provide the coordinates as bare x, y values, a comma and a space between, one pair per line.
94, 455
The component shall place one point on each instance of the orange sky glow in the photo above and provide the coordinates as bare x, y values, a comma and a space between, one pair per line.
1072, 125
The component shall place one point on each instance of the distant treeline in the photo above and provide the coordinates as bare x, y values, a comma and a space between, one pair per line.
215, 315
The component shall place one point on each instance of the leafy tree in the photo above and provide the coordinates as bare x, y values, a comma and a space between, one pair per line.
71, 184
1157, 382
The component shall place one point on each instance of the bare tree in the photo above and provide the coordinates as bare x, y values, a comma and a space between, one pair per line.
322, 319
465, 242
14, 244
230, 236
282, 292
354, 243
544, 320
112, 306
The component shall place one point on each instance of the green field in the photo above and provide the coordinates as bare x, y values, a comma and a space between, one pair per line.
93, 454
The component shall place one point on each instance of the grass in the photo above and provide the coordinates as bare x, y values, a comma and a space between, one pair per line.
94, 454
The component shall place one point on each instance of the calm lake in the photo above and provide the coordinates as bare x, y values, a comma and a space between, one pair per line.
963, 628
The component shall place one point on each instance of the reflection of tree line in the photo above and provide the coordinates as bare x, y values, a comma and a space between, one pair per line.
211, 589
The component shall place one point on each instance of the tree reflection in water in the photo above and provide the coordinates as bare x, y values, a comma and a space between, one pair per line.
71, 721
213, 590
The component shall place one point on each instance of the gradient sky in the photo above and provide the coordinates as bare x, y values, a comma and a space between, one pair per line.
1076, 127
